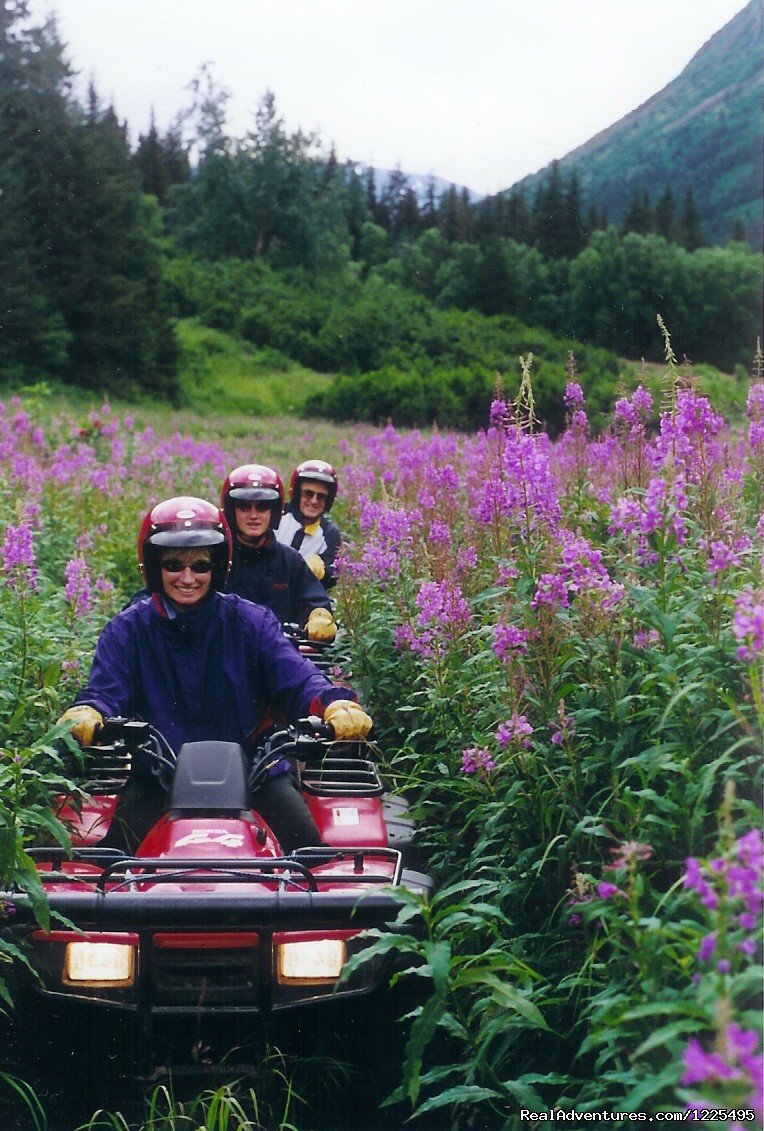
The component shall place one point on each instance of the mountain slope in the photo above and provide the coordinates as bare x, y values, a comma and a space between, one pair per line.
703, 130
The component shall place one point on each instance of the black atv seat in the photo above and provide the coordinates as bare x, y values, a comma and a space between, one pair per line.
210, 775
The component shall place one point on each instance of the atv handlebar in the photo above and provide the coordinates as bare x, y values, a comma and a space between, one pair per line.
305, 738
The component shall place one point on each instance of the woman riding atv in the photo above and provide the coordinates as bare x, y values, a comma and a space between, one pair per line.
197, 664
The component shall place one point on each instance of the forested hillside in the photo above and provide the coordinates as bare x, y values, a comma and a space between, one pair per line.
702, 133
81, 270
412, 308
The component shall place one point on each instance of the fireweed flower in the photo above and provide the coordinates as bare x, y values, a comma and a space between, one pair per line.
84, 542
477, 760
515, 729
755, 414
628, 853
582, 573
440, 534
78, 592
578, 425
734, 1060
563, 727
606, 890
574, 396
500, 415
389, 543
659, 510
586, 574
509, 641
695, 879
550, 590
735, 878
632, 413
525, 492
443, 617
700, 1066
19, 561
104, 587
32, 515
507, 574
645, 638
707, 947
466, 559
748, 623
687, 432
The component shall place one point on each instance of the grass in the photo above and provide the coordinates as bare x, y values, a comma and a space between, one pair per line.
224, 373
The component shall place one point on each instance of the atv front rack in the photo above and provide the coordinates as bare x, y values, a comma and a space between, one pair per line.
342, 776
106, 769
129, 890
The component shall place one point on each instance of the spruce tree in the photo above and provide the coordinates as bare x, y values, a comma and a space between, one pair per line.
448, 214
639, 215
548, 212
689, 229
356, 208
114, 300
518, 223
665, 215
161, 161
428, 216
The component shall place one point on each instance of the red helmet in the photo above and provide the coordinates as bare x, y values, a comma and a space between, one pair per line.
319, 470
183, 522
257, 482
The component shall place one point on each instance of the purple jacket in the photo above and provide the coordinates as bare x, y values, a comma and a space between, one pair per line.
211, 673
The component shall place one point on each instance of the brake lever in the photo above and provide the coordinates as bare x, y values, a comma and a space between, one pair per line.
319, 727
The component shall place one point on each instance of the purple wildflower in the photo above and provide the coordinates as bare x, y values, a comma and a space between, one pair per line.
440, 533
707, 947
509, 641
19, 560
515, 729
748, 623
700, 1066
477, 760
606, 890
77, 591
574, 396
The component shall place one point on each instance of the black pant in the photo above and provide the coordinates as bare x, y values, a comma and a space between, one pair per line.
278, 801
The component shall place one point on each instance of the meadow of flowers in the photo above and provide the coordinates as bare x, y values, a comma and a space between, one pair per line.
561, 645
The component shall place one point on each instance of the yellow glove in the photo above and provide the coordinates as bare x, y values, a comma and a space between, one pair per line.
85, 720
348, 719
321, 626
316, 566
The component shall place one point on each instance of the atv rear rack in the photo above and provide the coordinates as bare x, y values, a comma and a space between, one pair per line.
337, 776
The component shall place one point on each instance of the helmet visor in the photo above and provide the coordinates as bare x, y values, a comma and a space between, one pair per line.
254, 494
186, 538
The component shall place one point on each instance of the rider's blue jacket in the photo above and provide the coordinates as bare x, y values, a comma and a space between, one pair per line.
217, 671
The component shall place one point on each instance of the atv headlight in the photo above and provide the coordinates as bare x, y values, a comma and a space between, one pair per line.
99, 963
310, 961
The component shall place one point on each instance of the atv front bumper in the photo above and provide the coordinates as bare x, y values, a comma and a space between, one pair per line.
151, 949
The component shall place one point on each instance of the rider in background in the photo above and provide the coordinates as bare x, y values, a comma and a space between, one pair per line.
264, 570
305, 525
200, 664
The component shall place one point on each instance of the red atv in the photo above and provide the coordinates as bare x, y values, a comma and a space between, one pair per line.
210, 944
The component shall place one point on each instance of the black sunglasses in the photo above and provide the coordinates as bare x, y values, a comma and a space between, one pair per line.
175, 565
252, 504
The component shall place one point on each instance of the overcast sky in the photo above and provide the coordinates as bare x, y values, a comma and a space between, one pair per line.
478, 92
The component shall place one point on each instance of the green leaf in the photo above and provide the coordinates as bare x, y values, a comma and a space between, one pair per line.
660, 1037
460, 1094
422, 1032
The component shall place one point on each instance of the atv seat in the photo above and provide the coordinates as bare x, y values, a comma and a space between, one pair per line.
210, 776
